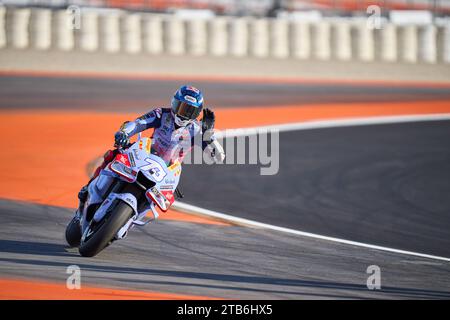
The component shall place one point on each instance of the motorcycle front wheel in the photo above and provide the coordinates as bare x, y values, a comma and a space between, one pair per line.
100, 235
73, 232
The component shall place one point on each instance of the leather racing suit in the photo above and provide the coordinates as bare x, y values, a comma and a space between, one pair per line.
169, 142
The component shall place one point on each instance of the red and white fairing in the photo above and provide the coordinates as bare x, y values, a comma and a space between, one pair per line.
139, 159
128, 166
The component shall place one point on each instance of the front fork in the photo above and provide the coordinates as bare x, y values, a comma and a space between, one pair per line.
98, 196
139, 220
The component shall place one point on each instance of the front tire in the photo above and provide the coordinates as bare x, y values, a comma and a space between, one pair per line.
73, 232
108, 229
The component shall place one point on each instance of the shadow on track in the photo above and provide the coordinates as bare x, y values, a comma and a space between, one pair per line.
38, 248
43, 248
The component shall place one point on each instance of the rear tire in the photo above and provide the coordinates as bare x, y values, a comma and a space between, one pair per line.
102, 237
73, 232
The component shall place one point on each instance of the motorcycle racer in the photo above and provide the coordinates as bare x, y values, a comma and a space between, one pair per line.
175, 132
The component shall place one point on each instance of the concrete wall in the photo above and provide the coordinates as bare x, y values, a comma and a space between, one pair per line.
119, 31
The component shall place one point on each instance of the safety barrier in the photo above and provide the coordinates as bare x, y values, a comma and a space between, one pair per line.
152, 34
2, 27
16, 28
218, 36
118, 31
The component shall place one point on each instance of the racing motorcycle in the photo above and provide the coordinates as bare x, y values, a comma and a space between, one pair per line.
125, 194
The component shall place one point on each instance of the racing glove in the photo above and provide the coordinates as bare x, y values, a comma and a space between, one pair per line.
121, 139
208, 119
208, 122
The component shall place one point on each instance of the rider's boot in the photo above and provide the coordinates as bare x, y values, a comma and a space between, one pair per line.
83, 193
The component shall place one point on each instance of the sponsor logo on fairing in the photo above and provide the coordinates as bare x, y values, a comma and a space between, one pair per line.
169, 196
131, 158
169, 181
136, 154
123, 158
148, 146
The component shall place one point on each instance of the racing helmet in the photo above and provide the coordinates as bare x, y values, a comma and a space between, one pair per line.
187, 103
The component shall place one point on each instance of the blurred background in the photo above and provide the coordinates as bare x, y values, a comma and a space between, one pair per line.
294, 38
250, 7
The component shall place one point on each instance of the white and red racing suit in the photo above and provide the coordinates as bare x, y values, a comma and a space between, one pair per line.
169, 142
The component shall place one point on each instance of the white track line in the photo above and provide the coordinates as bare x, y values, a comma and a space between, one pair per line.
307, 126
188, 208
321, 124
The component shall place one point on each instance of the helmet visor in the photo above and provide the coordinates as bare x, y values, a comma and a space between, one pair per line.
185, 110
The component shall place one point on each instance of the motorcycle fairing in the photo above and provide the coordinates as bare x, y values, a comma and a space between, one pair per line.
128, 198
126, 166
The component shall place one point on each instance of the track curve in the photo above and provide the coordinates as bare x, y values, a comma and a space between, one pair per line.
223, 262
385, 185
381, 184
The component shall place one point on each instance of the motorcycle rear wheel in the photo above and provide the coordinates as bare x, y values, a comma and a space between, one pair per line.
106, 232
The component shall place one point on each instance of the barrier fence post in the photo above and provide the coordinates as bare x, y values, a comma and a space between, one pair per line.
321, 40
131, 33
300, 38
87, 35
259, 37
41, 28
341, 40
196, 36
62, 33
407, 43
152, 31
2, 26
17, 27
279, 38
238, 39
377, 43
444, 43
109, 30
365, 39
427, 44
218, 36
389, 52
174, 35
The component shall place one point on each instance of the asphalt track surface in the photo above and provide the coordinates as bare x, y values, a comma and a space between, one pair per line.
386, 185
225, 262
124, 95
